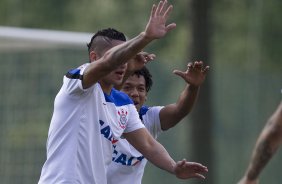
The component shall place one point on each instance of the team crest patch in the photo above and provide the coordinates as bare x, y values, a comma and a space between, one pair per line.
122, 118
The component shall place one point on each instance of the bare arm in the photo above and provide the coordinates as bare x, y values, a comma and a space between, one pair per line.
194, 76
267, 144
156, 28
157, 154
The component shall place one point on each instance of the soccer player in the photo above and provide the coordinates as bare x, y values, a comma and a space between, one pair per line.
268, 142
128, 163
89, 115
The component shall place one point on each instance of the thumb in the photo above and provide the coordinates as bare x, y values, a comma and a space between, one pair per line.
179, 73
170, 27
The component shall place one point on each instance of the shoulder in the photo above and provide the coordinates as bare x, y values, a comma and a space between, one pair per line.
150, 112
118, 98
72, 82
143, 110
76, 73
151, 119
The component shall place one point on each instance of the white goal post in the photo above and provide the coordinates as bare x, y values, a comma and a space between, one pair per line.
15, 37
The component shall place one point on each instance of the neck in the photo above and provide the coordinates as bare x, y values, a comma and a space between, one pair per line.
107, 88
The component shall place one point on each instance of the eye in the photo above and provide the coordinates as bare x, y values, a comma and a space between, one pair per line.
126, 88
141, 89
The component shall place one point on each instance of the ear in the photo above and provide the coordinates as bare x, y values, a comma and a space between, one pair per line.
93, 56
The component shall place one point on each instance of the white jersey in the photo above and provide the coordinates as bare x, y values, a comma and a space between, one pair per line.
84, 125
128, 164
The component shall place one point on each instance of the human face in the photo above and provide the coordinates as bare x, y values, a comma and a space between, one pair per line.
135, 87
115, 77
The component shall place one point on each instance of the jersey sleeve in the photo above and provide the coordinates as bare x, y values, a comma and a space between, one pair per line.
73, 81
134, 121
151, 120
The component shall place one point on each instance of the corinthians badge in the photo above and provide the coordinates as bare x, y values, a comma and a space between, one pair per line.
122, 118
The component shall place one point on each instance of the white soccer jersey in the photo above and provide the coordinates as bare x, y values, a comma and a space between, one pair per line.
128, 164
84, 125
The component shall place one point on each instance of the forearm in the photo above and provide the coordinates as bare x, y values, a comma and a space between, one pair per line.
172, 114
262, 154
266, 146
187, 100
124, 52
158, 156
150, 149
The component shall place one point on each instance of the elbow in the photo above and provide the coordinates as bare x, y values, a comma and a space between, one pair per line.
169, 124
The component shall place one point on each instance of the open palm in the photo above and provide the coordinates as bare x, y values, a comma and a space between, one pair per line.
195, 74
186, 170
156, 27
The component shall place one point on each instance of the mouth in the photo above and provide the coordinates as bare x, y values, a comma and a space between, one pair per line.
120, 73
135, 103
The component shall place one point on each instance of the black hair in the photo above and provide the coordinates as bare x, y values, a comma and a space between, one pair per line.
108, 35
147, 76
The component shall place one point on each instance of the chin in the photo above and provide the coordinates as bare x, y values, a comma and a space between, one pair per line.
117, 82
138, 107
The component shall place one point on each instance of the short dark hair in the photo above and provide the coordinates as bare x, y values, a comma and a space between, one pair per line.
147, 76
107, 36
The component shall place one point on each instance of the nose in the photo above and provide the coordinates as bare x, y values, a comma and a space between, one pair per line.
123, 66
134, 93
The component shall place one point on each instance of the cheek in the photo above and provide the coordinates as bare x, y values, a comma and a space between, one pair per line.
143, 97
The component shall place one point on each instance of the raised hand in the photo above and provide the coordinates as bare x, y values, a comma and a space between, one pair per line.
156, 26
186, 170
195, 74
139, 61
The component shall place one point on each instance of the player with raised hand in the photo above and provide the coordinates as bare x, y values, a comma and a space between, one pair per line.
129, 163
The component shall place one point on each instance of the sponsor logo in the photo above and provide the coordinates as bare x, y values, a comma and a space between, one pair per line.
124, 159
107, 132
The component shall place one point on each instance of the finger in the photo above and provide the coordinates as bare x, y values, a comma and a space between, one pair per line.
200, 176
170, 27
153, 11
198, 65
143, 58
196, 165
189, 64
163, 7
147, 56
167, 12
202, 169
206, 69
152, 56
142, 53
157, 12
182, 163
179, 73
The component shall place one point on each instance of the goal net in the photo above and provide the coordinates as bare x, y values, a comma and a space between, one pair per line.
33, 63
